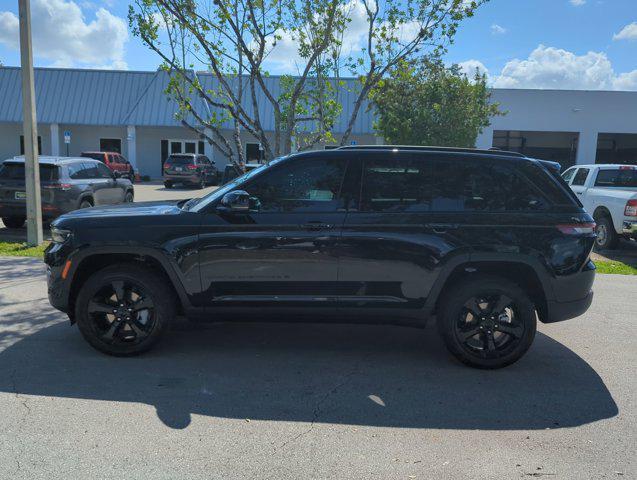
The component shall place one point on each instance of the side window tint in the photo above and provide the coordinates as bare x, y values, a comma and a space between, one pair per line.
90, 171
465, 185
580, 177
103, 171
568, 174
396, 185
76, 171
307, 185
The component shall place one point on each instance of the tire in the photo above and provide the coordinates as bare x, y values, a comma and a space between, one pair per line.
202, 183
129, 197
113, 333
607, 238
14, 222
502, 336
168, 184
86, 203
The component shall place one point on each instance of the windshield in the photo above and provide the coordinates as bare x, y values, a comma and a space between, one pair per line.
196, 204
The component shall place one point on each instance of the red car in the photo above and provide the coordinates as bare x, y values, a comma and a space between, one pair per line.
115, 161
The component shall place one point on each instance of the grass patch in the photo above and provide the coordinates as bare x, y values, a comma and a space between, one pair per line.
20, 249
614, 266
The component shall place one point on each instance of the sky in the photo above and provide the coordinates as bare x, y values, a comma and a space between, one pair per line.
569, 44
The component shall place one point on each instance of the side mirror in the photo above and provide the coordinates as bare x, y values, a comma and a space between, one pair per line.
235, 202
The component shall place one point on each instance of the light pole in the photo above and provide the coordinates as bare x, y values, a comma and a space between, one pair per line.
31, 164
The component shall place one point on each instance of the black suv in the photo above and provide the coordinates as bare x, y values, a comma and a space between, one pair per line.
481, 241
66, 184
190, 169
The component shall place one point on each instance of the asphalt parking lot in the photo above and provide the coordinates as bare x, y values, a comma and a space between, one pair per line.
284, 401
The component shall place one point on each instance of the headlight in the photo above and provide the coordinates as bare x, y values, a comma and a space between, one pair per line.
60, 236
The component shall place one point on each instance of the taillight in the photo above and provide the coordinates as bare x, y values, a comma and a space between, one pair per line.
58, 186
577, 228
166, 167
191, 167
631, 208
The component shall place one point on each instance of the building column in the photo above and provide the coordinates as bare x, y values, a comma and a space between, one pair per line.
586, 148
485, 139
55, 140
208, 149
132, 146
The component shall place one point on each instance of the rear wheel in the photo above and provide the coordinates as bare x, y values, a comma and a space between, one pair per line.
202, 183
128, 198
86, 203
124, 310
606, 238
13, 222
168, 184
487, 322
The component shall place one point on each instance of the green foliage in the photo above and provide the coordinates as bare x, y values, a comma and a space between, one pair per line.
428, 103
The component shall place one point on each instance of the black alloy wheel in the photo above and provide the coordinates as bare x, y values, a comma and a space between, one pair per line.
122, 312
129, 198
14, 222
487, 322
124, 309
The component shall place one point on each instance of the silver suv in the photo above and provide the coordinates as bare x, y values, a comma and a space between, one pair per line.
66, 184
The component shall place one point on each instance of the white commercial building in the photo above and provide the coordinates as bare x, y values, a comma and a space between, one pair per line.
129, 112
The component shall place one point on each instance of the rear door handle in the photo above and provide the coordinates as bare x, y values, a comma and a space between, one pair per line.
316, 226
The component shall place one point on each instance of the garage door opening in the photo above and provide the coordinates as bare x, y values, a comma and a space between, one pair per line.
555, 146
617, 148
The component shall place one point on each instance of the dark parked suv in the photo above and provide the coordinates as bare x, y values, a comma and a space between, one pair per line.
190, 169
480, 241
66, 185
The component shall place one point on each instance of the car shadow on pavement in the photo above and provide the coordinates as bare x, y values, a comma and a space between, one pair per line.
344, 374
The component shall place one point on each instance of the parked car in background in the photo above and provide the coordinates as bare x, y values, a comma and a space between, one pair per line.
66, 184
609, 194
190, 169
482, 242
232, 171
114, 161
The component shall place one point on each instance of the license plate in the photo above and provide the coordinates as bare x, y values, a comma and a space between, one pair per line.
20, 195
179, 169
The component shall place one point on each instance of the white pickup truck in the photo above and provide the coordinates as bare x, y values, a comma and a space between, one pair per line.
609, 194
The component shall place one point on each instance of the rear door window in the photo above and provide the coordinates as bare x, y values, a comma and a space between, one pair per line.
15, 171
580, 177
76, 171
623, 177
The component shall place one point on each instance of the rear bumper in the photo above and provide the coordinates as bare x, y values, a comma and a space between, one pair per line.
629, 228
48, 211
558, 311
182, 178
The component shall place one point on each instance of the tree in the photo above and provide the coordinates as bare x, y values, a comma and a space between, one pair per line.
427, 103
232, 40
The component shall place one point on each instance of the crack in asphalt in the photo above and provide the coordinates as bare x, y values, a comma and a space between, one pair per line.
317, 409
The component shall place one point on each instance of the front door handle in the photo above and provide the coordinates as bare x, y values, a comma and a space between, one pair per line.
442, 227
316, 226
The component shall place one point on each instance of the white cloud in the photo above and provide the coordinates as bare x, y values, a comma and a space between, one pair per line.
629, 32
62, 36
497, 29
549, 67
469, 67
578, 3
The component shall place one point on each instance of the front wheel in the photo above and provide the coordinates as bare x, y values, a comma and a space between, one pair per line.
124, 310
13, 222
128, 198
487, 322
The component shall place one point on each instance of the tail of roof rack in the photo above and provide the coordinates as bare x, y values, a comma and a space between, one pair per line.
503, 153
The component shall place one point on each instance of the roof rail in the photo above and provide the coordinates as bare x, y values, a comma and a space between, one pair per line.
503, 153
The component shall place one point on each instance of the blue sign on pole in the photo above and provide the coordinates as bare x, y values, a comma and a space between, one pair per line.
67, 136
353, 142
